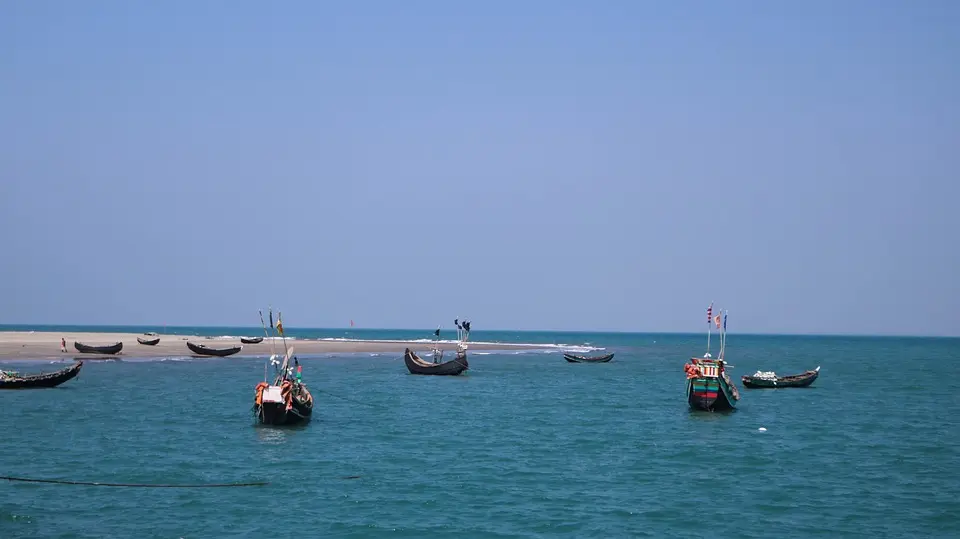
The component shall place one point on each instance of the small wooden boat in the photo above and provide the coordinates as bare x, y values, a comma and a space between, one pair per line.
251, 340
108, 349
148, 342
764, 380
286, 401
448, 368
14, 380
574, 358
708, 386
202, 350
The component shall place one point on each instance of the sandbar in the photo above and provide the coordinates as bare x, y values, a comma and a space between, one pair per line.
40, 345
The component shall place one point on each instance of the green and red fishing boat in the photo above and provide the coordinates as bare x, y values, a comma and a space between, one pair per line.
708, 386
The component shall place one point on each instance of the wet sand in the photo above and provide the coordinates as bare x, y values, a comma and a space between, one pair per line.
26, 345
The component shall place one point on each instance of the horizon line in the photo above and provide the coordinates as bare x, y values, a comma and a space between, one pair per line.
623, 332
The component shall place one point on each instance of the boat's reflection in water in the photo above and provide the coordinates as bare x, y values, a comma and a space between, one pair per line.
274, 435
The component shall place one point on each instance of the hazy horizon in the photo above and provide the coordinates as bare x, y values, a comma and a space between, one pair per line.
612, 166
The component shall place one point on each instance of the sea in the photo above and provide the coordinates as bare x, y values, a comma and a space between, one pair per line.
523, 445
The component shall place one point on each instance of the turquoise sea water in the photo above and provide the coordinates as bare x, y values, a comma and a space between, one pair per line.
524, 445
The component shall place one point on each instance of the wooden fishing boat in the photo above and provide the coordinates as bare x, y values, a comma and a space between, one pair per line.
708, 386
149, 342
448, 368
14, 380
574, 358
251, 340
765, 380
287, 401
202, 350
107, 349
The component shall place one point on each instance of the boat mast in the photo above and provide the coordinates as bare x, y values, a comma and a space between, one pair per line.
709, 323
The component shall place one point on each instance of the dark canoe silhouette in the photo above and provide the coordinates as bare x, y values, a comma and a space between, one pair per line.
31, 381
202, 350
448, 368
108, 349
574, 358
709, 388
251, 340
148, 342
793, 380
270, 407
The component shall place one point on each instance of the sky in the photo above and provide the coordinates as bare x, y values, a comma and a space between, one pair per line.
529, 165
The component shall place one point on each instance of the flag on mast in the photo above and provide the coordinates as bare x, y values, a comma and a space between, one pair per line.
279, 324
271, 317
716, 320
710, 314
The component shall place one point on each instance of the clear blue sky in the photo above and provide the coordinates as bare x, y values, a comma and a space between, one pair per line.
531, 165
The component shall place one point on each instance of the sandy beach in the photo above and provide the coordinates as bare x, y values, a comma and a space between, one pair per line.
26, 345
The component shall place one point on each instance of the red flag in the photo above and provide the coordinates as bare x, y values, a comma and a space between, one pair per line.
716, 320
709, 314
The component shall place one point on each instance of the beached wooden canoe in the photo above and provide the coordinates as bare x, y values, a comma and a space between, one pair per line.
148, 342
762, 380
251, 340
574, 358
108, 349
448, 368
13, 380
202, 350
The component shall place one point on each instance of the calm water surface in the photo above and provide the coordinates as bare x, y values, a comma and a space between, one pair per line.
524, 445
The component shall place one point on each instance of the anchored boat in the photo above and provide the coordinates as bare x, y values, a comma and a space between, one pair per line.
15, 380
286, 401
708, 386
769, 380
438, 367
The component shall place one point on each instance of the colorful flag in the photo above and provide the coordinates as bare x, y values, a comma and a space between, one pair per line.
709, 314
279, 325
716, 320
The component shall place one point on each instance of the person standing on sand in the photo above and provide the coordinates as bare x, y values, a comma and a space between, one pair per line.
63, 345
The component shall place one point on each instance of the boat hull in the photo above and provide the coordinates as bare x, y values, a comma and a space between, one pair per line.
35, 381
710, 394
109, 349
796, 380
202, 350
270, 408
573, 358
453, 367
148, 342
251, 340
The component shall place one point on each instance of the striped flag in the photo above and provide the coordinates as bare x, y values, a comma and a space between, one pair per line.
710, 314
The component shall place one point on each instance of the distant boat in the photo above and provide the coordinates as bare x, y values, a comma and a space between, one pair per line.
574, 358
448, 368
14, 380
765, 380
107, 349
708, 386
148, 342
251, 340
202, 350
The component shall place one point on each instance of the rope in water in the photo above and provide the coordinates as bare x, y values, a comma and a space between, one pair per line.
142, 485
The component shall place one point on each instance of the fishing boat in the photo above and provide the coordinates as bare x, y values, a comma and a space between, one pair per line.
203, 350
15, 380
148, 342
106, 349
287, 400
574, 358
708, 386
452, 367
438, 367
769, 379
251, 340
